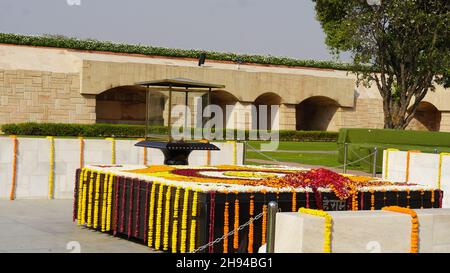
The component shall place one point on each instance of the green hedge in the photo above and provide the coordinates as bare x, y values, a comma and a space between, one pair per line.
87, 130
392, 136
95, 45
308, 136
119, 130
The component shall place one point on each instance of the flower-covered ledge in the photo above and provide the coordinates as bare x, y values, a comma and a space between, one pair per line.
180, 208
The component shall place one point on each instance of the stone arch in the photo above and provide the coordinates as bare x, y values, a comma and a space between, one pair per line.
223, 98
126, 105
268, 99
315, 113
426, 118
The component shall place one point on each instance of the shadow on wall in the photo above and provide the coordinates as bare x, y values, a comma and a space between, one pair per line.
126, 105
315, 113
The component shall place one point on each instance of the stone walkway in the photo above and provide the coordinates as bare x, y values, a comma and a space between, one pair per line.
43, 226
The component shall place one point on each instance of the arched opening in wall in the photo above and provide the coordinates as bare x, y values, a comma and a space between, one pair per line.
126, 105
223, 99
426, 118
315, 113
265, 118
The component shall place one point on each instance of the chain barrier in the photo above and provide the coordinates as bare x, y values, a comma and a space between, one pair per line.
266, 156
365, 160
219, 239
336, 167
358, 160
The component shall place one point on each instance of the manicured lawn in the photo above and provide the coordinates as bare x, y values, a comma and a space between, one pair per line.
300, 146
321, 155
329, 160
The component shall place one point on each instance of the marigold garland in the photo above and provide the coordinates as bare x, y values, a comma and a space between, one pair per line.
145, 156
113, 149
96, 199
90, 196
307, 200
193, 222
226, 224
12, 194
264, 225
362, 201
175, 220
184, 221
51, 175
415, 225
130, 209
212, 215
159, 217
138, 207
421, 198
167, 218
84, 195
104, 201
151, 214
327, 226
386, 166
122, 205
408, 158
408, 197
109, 203
81, 151
432, 199
236, 223
372, 200
76, 193
251, 227
234, 151
441, 157
294, 201
144, 152
147, 193
355, 201
116, 205
80, 196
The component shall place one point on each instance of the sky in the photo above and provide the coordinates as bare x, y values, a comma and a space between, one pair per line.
268, 27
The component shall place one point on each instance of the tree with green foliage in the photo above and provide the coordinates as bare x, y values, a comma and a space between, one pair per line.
402, 46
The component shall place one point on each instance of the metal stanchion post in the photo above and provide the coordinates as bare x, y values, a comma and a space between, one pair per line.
345, 156
374, 170
244, 152
436, 151
273, 209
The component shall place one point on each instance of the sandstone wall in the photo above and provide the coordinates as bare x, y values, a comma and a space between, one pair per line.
43, 96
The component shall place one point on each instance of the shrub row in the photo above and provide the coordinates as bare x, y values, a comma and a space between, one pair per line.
95, 45
86, 130
124, 131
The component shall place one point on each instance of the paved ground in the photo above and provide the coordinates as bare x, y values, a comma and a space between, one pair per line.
46, 226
